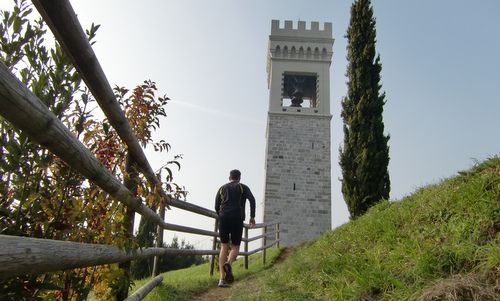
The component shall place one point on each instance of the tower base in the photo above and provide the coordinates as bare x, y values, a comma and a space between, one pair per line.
298, 179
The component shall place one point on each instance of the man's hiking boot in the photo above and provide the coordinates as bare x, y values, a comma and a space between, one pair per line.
229, 273
222, 283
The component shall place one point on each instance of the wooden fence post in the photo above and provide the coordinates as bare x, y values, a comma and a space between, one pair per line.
159, 242
264, 242
278, 235
246, 248
130, 181
214, 247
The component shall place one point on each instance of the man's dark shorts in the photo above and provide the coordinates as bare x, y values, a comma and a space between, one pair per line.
231, 227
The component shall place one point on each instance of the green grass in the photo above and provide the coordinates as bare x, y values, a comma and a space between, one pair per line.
441, 239
441, 243
183, 284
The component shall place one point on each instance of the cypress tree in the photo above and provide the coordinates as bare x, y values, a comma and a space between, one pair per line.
364, 156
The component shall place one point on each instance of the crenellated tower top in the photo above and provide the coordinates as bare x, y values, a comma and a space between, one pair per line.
300, 43
301, 31
298, 64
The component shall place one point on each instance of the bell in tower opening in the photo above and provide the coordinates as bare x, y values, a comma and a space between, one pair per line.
299, 90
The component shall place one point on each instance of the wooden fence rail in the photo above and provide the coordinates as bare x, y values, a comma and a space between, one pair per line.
26, 255
193, 208
19, 106
146, 289
258, 250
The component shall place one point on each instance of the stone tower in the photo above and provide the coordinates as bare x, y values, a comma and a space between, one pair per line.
298, 163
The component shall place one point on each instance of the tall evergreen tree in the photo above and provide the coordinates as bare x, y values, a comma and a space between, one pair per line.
364, 156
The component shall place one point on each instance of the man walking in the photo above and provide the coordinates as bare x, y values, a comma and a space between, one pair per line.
230, 206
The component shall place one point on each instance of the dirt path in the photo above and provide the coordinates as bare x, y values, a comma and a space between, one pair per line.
248, 285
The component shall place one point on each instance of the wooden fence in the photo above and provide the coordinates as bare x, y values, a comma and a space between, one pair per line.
19, 106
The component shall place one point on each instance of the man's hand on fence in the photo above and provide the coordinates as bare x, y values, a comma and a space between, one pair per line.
252, 222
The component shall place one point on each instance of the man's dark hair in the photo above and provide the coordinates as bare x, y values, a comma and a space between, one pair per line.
235, 174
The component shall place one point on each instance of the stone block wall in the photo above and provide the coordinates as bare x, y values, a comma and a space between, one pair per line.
298, 180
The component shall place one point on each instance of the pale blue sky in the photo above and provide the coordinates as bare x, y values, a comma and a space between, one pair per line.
440, 73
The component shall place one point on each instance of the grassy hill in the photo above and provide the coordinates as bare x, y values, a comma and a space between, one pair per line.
441, 243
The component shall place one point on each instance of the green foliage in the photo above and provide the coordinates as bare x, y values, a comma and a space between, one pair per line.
442, 240
40, 196
364, 156
175, 262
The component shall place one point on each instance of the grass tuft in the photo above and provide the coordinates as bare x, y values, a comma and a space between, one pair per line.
458, 287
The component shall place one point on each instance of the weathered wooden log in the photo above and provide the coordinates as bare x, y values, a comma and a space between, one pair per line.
246, 248
214, 247
278, 234
130, 180
244, 239
185, 229
259, 249
146, 289
25, 111
25, 255
264, 241
262, 236
192, 208
260, 225
61, 19
159, 242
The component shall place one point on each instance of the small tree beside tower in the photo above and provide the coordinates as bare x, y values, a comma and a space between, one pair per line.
364, 157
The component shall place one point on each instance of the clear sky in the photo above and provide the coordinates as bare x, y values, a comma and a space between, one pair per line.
441, 75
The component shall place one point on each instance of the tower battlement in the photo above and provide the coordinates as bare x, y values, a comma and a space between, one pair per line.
301, 31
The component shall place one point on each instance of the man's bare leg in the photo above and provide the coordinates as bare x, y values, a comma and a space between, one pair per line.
235, 250
224, 249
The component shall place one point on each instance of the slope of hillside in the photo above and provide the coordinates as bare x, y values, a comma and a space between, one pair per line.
441, 243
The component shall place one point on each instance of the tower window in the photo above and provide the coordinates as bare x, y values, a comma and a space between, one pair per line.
299, 90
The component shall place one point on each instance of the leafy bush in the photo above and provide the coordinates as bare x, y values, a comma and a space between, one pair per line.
41, 196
